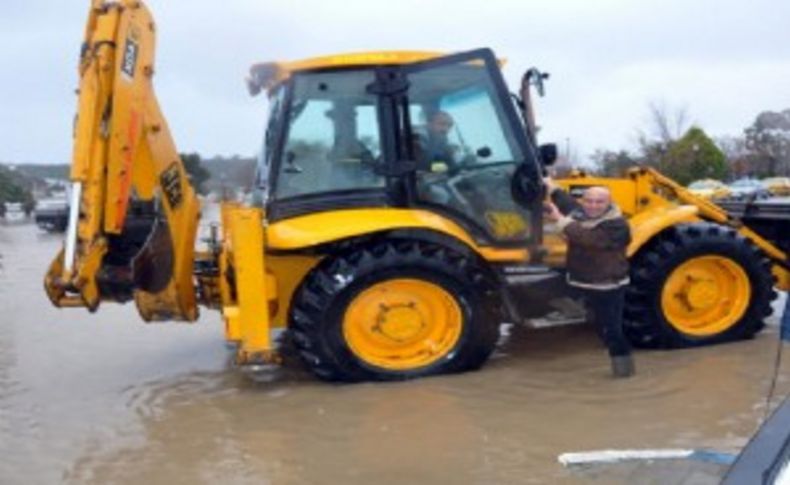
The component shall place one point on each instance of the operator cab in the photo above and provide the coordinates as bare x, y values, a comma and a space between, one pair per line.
441, 134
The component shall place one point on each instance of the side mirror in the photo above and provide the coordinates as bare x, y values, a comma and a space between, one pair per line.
526, 186
548, 154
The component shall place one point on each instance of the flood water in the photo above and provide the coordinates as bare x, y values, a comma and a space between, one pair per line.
104, 398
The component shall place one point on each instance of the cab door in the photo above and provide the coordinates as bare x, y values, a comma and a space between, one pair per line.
464, 134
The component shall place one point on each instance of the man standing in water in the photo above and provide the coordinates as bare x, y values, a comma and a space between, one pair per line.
597, 265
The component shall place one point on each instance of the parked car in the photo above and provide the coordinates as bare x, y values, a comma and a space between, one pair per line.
709, 189
778, 186
748, 188
52, 215
12, 211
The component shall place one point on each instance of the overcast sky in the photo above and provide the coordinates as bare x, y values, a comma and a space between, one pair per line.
724, 60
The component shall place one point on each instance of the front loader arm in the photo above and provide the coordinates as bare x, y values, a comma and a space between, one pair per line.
712, 212
133, 213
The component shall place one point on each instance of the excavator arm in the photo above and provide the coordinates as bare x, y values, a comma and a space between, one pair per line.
133, 213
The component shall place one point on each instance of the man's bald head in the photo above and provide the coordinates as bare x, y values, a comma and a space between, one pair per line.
598, 191
595, 201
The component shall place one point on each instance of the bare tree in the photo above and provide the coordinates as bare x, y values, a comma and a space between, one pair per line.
663, 124
739, 157
769, 139
613, 164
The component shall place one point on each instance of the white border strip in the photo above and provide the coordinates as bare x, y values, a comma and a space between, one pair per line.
613, 456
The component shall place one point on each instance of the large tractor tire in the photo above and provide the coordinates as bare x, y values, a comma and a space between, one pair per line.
394, 310
697, 284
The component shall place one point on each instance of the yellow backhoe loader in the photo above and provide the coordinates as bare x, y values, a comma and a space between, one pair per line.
382, 260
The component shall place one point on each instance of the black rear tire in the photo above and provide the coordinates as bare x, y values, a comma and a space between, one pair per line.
646, 324
320, 304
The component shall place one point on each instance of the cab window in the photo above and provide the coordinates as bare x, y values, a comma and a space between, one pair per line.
333, 141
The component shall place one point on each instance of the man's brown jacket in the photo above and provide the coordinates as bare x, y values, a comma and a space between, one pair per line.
596, 247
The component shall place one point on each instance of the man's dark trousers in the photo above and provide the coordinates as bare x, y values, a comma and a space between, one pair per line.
606, 307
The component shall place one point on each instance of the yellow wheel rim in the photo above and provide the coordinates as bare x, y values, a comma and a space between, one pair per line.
402, 324
706, 295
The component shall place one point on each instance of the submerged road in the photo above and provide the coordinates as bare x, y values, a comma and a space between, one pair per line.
104, 398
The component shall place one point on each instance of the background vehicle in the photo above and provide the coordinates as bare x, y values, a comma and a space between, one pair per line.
748, 188
52, 215
709, 189
381, 262
777, 186
12, 211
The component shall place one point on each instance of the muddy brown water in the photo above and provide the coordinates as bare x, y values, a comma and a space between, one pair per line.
104, 398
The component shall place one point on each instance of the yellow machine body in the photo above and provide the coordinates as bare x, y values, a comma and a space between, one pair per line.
123, 147
124, 155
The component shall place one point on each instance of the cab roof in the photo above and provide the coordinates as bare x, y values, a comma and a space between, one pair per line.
267, 75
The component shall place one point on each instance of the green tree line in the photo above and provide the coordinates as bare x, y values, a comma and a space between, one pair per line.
686, 154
